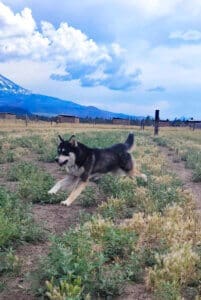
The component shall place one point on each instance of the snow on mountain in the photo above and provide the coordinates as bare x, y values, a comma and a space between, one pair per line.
8, 86
14, 98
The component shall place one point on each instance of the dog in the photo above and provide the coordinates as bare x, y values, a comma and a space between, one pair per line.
84, 164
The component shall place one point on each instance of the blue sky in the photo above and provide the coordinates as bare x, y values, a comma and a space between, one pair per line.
130, 56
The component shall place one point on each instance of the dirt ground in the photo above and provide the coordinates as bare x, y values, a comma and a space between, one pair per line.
177, 166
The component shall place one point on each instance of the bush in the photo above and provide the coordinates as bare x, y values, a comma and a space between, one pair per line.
65, 290
7, 157
16, 221
21, 171
70, 257
114, 209
118, 242
197, 173
167, 291
9, 262
89, 197
110, 280
35, 189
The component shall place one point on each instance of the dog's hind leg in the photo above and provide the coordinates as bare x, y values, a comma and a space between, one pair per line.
75, 193
134, 172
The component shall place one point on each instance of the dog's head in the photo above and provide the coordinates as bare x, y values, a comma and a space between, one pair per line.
66, 151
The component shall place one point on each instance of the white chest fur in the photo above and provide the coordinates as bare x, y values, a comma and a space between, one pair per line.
72, 168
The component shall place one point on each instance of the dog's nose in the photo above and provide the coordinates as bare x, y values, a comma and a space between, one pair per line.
57, 159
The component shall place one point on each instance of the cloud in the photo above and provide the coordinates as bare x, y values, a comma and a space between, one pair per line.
159, 89
11, 25
112, 74
78, 56
189, 35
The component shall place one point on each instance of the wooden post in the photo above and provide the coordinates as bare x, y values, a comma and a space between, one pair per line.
156, 123
26, 120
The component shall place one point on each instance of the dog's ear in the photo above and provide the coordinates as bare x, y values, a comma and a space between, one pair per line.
72, 140
62, 140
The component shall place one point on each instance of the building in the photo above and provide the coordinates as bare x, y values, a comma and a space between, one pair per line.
5, 115
194, 124
119, 121
164, 123
67, 119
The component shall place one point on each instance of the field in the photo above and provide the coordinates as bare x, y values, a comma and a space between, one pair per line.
122, 239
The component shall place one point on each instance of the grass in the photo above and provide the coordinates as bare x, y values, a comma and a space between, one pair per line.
132, 236
17, 226
33, 183
141, 232
16, 221
187, 147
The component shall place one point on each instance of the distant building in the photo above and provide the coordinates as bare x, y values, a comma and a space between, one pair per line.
67, 119
164, 123
5, 115
195, 124
119, 121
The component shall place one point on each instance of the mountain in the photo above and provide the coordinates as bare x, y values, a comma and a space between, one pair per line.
15, 99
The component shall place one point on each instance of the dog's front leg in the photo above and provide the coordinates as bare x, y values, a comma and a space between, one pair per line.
60, 184
75, 193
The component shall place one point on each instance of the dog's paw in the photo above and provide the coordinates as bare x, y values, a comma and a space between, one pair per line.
51, 192
66, 203
144, 177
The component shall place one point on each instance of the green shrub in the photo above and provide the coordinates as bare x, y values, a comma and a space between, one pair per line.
48, 154
197, 173
119, 187
115, 209
65, 290
161, 141
7, 156
16, 221
21, 171
9, 262
110, 280
167, 291
118, 242
133, 267
35, 189
70, 257
89, 197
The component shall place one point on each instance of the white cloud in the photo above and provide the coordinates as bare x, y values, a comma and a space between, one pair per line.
11, 25
156, 8
189, 35
81, 58
71, 42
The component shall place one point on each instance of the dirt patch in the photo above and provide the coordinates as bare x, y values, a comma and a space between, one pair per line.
177, 166
135, 292
19, 286
56, 218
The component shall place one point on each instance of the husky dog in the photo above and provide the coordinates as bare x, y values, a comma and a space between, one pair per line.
84, 164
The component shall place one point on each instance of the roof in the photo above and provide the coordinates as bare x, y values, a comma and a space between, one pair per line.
194, 121
68, 116
120, 119
7, 113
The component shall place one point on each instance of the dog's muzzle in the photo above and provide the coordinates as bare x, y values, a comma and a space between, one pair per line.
61, 162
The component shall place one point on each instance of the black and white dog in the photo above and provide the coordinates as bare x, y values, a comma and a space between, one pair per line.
84, 164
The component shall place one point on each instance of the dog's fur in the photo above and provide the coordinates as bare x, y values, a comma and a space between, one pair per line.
83, 164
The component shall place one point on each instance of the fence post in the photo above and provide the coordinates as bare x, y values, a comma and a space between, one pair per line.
156, 123
26, 120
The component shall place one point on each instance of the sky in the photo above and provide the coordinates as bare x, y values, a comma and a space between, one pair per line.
129, 56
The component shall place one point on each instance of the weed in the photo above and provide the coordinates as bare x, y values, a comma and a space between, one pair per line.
89, 197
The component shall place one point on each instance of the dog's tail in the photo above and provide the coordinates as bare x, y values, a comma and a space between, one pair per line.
129, 143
